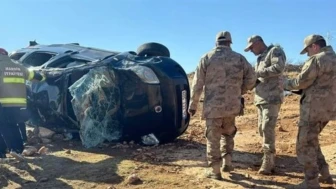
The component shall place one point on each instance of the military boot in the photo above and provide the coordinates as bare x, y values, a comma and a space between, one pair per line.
213, 174
227, 163
325, 175
267, 166
302, 185
306, 185
214, 171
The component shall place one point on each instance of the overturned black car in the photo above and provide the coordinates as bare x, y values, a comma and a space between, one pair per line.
106, 95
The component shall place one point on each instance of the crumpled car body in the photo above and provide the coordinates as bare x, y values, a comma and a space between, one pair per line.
105, 95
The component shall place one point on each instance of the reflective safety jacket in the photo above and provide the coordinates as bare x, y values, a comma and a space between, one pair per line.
13, 78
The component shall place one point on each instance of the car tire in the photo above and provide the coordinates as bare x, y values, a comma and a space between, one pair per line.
153, 49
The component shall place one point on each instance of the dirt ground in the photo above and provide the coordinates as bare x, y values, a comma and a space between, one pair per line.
176, 165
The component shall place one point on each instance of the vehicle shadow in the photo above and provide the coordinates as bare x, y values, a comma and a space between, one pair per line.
188, 153
55, 171
182, 153
8, 177
185, 153
191, 150
13, 172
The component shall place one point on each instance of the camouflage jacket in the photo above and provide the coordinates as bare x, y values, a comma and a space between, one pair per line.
225, 76
317, 81
269, 69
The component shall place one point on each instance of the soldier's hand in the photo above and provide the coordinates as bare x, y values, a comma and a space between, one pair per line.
283, 81
192, 112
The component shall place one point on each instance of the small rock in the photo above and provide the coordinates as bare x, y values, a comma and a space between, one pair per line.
282, 166
247, 176
30, 134
208, 187
34, 140
43, 179
46, 140
29, 151
45, 133
111, 187
58, 137
68, 151
133, 179
43, 150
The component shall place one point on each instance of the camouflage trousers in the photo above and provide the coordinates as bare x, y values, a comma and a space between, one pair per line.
267, 118
308, 151
220, 134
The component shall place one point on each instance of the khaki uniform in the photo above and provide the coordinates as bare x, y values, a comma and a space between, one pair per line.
269, 93
225, 76
317, 107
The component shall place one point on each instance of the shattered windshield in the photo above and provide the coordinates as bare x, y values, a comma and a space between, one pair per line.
95, 103
96, 96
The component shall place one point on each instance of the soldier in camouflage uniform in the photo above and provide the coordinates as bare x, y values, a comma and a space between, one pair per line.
268, 94
317, 107
225, 76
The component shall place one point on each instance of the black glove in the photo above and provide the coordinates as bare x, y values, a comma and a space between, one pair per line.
242, 106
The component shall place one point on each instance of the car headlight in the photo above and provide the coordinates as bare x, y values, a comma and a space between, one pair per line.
146, 74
